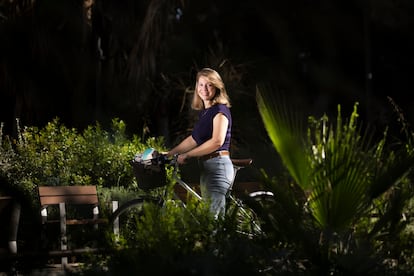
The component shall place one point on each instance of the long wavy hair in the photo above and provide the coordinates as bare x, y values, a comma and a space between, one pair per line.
221, 96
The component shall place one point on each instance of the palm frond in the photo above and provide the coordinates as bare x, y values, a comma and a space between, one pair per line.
342, 166
286, 133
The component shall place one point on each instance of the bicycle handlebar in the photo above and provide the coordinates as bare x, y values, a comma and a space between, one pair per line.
163, 159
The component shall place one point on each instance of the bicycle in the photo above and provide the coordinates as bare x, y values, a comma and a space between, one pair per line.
150, 172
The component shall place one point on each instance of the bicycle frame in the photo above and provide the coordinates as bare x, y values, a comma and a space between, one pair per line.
182, 182
247, 213
237, 165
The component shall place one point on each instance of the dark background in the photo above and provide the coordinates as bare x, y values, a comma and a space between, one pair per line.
92, 61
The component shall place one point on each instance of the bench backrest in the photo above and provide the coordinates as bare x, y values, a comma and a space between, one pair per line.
69, 195
50, 195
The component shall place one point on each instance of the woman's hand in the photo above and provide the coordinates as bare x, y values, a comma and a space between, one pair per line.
182, 158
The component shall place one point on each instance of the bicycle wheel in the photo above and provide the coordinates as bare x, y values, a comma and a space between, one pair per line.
248, 215
262, 202
128, 215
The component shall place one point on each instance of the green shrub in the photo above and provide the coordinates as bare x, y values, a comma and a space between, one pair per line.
57, 155
174, 240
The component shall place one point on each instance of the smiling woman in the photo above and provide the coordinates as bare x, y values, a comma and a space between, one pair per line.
210, 139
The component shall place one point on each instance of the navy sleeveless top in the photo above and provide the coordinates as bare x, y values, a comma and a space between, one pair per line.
203, 129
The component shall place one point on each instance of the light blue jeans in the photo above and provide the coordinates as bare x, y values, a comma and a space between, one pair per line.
216, 175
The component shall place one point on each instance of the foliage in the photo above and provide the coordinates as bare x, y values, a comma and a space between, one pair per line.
57, 155
286, 133
176, 240
355, 189
156, 237
343, 166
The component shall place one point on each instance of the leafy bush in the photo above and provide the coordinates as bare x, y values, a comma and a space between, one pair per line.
180, 241
57, 155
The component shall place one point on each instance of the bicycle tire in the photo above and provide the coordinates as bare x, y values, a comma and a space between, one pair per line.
261, 202
129, 212
248, 215
242, 220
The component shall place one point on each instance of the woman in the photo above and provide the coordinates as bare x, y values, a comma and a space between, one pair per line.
210, 139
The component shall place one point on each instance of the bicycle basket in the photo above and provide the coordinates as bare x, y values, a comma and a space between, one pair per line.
149, 173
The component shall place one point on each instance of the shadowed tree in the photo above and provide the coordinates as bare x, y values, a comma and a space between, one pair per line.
94, 60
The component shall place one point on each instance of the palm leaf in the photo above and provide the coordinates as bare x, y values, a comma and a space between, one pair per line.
286, 133
343, 162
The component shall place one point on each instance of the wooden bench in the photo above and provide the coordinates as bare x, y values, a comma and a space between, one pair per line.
63, 196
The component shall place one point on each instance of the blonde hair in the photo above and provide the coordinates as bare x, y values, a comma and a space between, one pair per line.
221, 96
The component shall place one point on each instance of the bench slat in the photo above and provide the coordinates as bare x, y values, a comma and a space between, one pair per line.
79, 221
68, 194
69, 199
66, 190
85, 221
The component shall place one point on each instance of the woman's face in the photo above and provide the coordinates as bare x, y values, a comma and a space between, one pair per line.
205, 89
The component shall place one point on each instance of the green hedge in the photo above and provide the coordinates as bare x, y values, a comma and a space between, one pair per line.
58, 155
